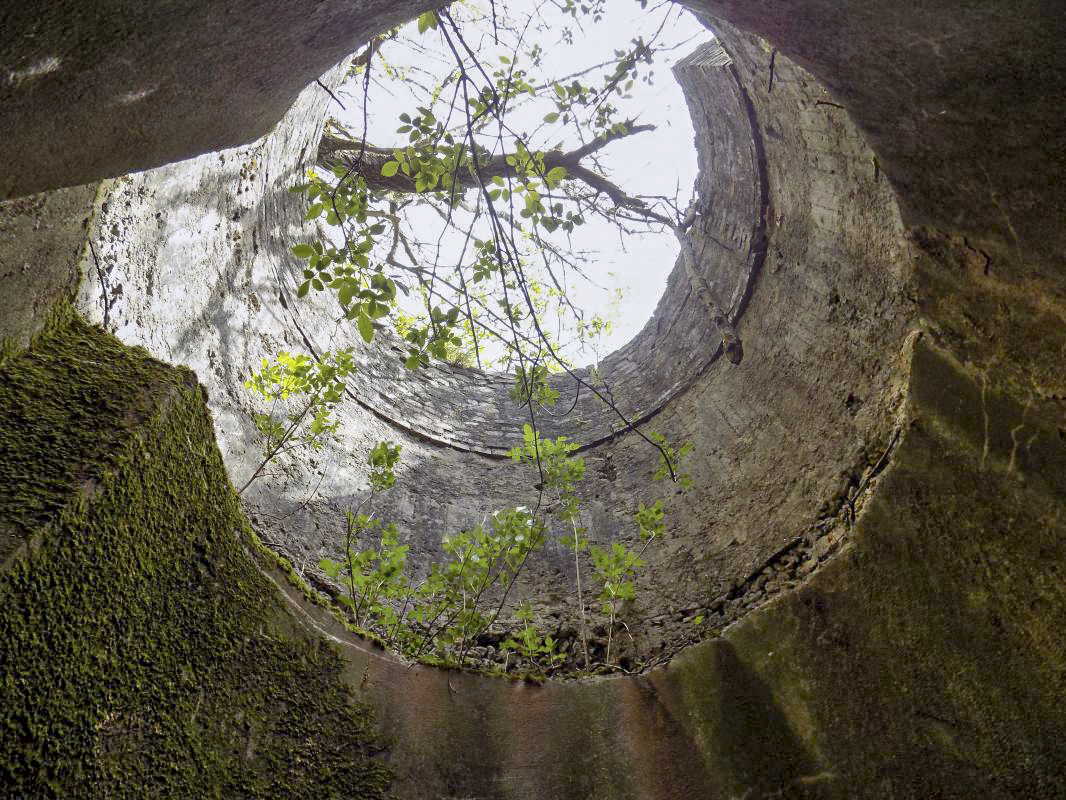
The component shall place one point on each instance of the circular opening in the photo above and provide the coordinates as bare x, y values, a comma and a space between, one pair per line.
771, 212
532, 540
587, 92
495, 167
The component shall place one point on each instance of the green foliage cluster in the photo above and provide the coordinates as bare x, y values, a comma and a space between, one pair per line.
669, 459
538, 651
143, 652
522, 195
366, 291
531, 387
454, 144
440, 617
318, 386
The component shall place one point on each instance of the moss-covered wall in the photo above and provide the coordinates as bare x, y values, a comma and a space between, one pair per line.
929, 659
142, 652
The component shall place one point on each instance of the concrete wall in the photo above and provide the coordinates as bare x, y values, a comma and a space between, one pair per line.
110, 87
879, 500
800, 237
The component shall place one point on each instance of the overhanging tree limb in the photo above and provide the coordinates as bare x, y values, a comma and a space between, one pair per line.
366, 160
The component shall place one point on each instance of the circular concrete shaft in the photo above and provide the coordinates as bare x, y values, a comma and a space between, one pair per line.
885, 466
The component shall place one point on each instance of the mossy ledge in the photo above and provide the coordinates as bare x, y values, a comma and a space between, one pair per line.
142, 651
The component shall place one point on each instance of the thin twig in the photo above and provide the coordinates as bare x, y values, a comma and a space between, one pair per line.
330, 93
103, 286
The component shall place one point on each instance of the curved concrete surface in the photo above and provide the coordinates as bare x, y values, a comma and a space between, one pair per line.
800, 238
880, 505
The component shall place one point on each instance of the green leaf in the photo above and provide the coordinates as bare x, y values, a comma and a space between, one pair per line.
366, 328
302, 250
390, 168
552, 117
426, 21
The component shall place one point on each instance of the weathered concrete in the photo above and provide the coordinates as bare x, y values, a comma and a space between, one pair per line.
926, 661
900, 407
42, 241
961, 104
797, 235
100, 89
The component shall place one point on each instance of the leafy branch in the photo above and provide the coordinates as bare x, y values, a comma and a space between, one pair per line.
478, 174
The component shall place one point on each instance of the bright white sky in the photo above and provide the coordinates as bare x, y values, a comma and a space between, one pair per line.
659, 162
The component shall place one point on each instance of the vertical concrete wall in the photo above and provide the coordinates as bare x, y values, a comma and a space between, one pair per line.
799, 236
886, 466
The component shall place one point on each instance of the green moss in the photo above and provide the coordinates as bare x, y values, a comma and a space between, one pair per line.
143, 652
270, 559
744, 735
927, 660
